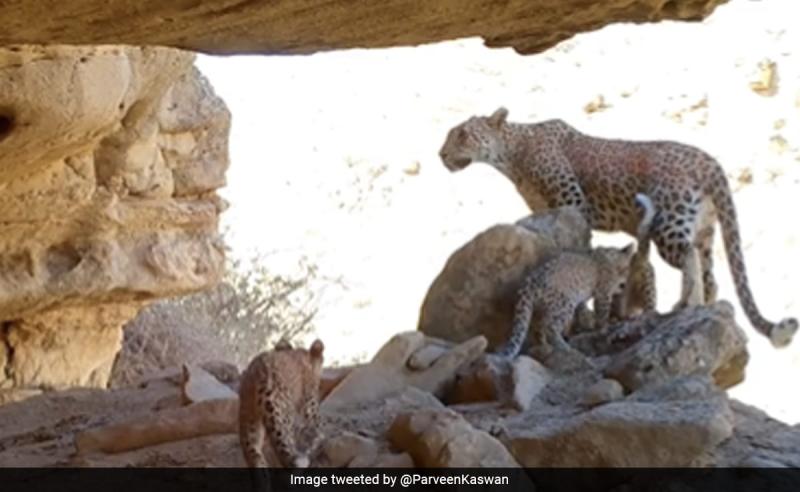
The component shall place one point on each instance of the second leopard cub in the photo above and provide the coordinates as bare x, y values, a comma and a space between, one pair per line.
557, 287
279, 406
639, 295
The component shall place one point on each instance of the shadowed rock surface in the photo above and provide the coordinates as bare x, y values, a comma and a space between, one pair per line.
306, 26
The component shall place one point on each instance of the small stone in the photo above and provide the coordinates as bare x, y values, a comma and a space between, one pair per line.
198, 385
764, 80
347, 447
413, 168
603, 391
596, 105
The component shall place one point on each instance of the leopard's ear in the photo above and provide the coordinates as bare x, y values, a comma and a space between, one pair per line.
498, 117
316, 349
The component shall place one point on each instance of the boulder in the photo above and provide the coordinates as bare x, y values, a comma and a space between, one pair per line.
330, 378
195, 420
758, 441
514, 384
389, 372
442, 438
694, 341
603, 391
372, 418
486, 379
109, 161
625, 433
528, 379
477, 289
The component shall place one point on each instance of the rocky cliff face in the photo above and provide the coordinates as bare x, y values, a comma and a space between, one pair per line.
109, 158
306, 26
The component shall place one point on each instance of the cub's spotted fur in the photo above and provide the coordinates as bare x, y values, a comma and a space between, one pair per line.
558, 286
552, 165
279, 404
639, 294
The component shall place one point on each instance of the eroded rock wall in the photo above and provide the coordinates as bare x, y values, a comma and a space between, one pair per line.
109, 161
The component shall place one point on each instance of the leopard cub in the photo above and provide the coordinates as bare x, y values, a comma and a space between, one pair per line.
279, 406
559, 286
639, 295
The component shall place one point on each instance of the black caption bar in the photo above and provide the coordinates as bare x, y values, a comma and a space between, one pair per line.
412, 479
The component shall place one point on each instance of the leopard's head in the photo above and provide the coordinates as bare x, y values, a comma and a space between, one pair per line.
617, 262
478, 139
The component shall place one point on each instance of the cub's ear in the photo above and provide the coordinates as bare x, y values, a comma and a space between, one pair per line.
283, 344
498, 117
317, 348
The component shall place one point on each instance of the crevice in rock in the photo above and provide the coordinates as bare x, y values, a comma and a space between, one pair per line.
5, 329
7, 122
62, 258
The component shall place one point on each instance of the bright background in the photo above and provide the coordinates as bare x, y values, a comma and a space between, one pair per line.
334, 159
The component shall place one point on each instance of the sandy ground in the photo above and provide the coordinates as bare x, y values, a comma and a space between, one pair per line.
335, 158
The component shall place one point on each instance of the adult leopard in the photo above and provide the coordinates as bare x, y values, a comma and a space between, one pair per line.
553, 164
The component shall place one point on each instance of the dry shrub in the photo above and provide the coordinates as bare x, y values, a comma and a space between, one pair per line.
247, 312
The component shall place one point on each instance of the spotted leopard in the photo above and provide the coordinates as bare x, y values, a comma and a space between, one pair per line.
279, 404
560, 285
553, 164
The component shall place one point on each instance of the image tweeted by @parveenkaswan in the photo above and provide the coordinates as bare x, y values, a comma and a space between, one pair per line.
312, 245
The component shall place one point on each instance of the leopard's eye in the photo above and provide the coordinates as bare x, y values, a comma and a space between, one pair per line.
461, 135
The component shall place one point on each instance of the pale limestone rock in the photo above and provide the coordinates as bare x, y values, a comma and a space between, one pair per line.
198, 385
195, 420
109, 161
17, 395
442, 438
331, 377
388, 372
72, 346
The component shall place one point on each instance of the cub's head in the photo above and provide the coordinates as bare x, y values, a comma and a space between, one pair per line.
478, 139
616, 263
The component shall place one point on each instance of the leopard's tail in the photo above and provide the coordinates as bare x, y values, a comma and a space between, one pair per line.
781, 333
523, 312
